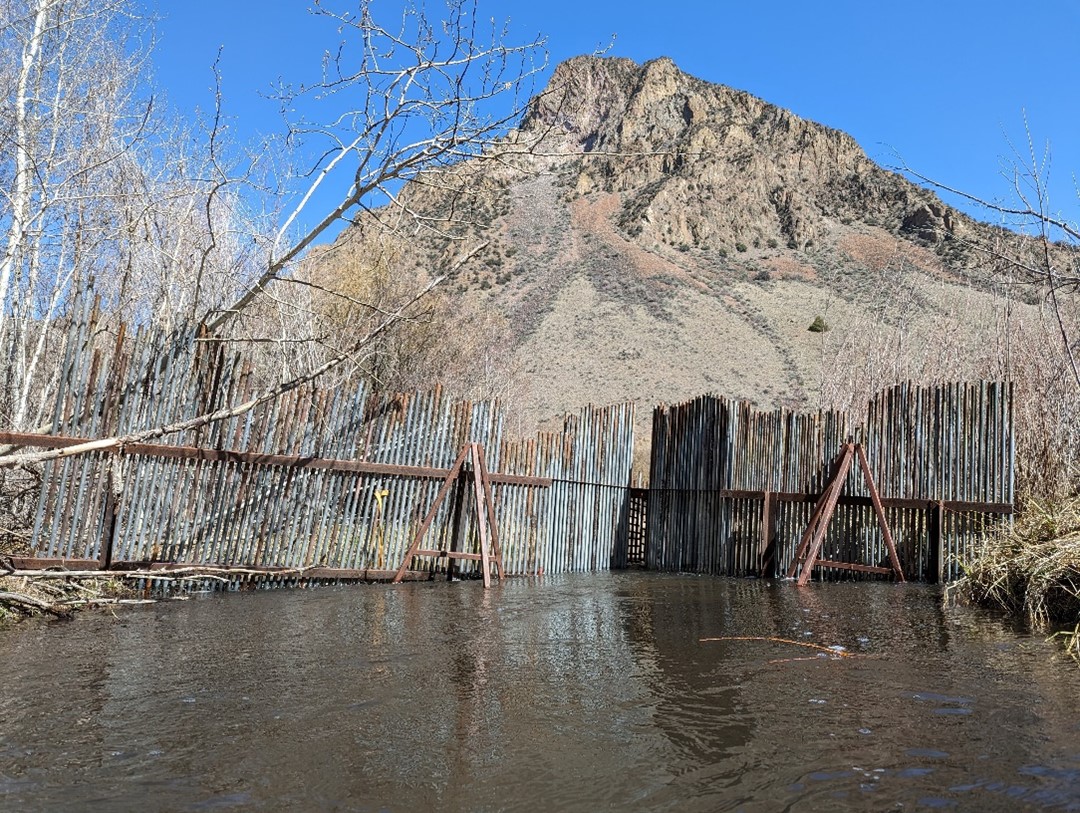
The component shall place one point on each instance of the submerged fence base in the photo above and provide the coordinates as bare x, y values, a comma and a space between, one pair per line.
68, 568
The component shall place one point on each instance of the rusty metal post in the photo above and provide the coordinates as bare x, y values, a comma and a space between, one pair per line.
935, 516
807, 551
488, 494
879, 511
817, 538
767, 544
426, 523
482, 529
109, 519
457, 524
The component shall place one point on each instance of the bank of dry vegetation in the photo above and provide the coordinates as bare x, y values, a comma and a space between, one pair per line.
23, 596
1031, 569
58, 592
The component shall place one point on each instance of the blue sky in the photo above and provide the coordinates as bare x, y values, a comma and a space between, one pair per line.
943, 85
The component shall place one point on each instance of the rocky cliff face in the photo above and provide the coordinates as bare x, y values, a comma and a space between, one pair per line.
653, 236
704, 165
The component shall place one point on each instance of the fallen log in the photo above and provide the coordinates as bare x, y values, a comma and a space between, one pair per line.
22, 600
216, 574
165, 571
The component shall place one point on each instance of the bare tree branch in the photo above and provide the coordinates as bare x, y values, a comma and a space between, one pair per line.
1029, 183
105, 444
391, 105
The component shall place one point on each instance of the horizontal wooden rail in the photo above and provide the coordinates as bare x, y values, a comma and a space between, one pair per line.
256, 459
447, 554
846, 499
886, 571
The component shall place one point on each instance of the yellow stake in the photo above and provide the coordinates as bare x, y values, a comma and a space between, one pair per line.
382, 530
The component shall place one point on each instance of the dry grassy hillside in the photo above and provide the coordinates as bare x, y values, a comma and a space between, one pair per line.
646, 235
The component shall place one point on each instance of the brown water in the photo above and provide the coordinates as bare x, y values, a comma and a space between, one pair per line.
573, 693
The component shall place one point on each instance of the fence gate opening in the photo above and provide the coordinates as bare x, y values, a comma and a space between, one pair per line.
637, 511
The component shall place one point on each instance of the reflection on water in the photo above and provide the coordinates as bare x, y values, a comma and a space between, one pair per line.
569, 693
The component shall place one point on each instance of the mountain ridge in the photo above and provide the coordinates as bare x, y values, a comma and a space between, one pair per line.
649, 236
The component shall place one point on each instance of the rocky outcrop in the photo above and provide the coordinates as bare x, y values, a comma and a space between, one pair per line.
711, 167
929, 221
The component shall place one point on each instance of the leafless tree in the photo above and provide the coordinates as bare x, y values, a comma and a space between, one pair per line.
1035, 252
101, 193
104, 189
392, 107
68, 123
1049, 260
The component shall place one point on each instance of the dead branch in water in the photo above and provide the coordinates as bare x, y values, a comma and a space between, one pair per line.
107, 444
198, 572
838, 652
24, 601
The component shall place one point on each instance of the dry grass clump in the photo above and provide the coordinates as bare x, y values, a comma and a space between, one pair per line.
1033, 568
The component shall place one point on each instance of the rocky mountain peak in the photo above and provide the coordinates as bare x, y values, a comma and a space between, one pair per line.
654, 236
706, 165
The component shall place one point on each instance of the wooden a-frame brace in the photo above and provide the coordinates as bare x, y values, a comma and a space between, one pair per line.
485, 520
810, 545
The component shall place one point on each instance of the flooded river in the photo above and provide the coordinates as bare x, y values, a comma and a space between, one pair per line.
576, 693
